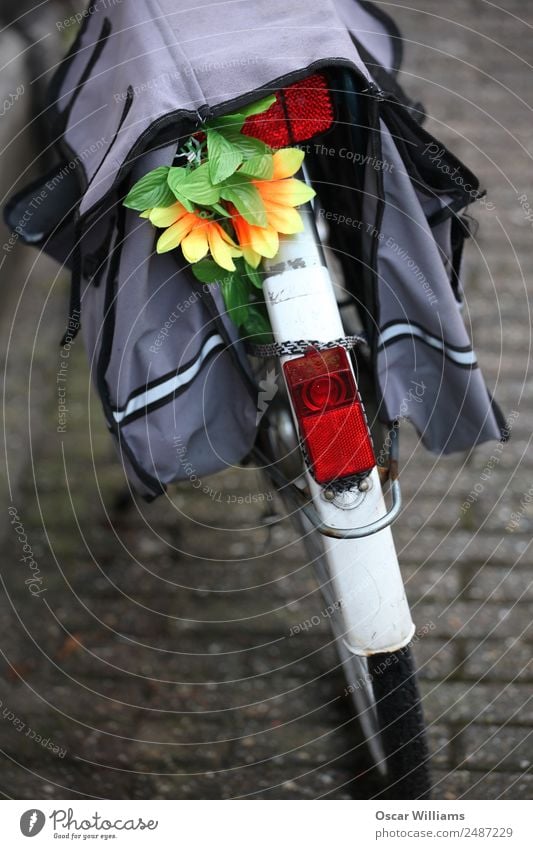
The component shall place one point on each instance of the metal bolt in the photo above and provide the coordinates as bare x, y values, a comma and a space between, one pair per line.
329, 494
364, 485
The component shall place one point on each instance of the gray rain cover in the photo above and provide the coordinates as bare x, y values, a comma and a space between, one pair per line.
171, 375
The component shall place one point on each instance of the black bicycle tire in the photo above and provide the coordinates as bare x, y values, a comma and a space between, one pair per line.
402, 726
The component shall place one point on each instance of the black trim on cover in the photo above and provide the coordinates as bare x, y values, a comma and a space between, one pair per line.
163, 130
171, 396
108, 331
98, 47
390, 24
442, 347
62, 69
413, 337
388, 82
152, 384
130, 94
461, 349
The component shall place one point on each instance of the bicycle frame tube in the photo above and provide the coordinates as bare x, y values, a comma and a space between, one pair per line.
364, 572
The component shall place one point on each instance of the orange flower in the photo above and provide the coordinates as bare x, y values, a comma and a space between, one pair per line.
255, 242
195, 234
280, 195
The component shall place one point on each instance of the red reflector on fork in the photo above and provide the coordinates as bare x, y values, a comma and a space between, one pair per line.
301, 111
330, 416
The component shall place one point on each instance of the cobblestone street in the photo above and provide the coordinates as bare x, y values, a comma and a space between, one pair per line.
155, 658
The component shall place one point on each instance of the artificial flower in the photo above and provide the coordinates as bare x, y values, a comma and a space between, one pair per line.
255, 242
196, 234
280, 195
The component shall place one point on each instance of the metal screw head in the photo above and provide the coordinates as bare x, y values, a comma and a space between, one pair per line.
364, 485
329, 494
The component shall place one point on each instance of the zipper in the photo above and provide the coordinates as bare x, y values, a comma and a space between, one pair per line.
375, 147
125, 112
206, 113
108, 332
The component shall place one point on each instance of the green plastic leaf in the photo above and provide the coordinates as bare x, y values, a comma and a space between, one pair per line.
151, 190
253, 275
259, 106
240, 191
257, 327
207, 271
217, 207
237, 119
224, 157
175, 177
247, 145
236, 297
260, 167
197, 186
225, 123
189, 206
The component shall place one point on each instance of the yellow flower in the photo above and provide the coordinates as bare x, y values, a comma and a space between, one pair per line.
280, 195
196, 235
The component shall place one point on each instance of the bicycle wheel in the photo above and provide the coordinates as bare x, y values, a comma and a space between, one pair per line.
384, 693
383, 687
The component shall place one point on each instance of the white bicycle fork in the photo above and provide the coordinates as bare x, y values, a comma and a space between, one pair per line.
365, 574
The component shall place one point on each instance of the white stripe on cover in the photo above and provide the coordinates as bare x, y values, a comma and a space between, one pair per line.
171, 385
465, 358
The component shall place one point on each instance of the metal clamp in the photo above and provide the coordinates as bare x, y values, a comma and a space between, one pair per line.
345, 533
365, 530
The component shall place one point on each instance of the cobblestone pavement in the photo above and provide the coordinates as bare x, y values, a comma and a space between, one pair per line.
157, 659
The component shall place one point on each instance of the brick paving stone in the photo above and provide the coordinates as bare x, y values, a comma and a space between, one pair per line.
461, 701
431, 582
436, 658
493, 659
500, 584
162, 661
470, 784
508, 749
476, 619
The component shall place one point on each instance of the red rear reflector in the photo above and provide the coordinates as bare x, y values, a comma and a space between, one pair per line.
301, 110
332, 421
